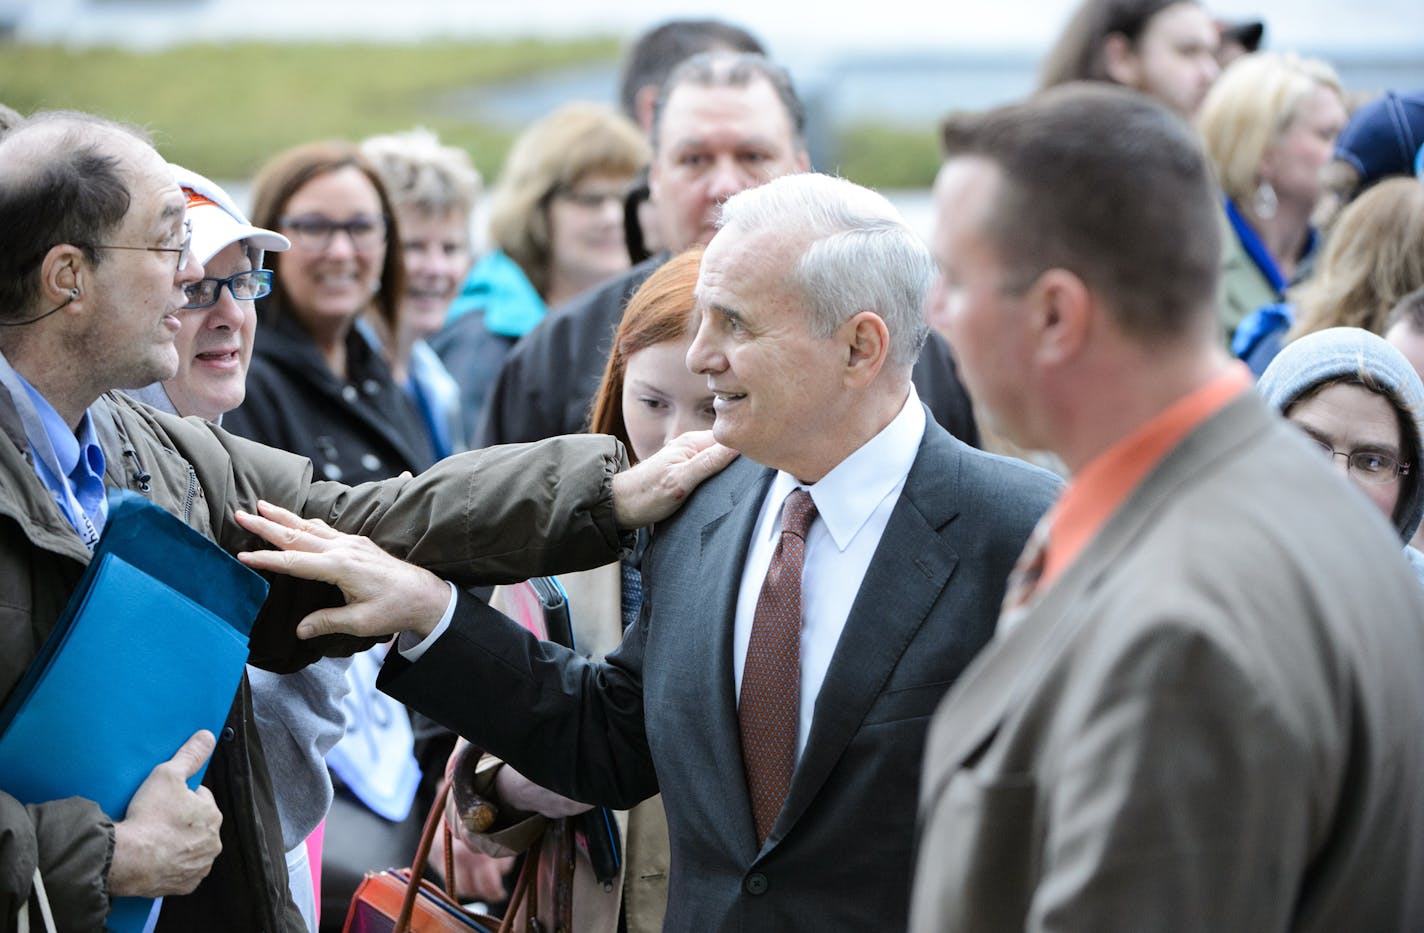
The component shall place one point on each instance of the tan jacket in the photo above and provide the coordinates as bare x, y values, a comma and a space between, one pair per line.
1211, 721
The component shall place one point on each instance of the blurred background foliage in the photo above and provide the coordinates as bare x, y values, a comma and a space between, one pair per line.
223, 110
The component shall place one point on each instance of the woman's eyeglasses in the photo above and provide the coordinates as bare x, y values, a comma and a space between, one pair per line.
315, 232
1370, 466
245, 286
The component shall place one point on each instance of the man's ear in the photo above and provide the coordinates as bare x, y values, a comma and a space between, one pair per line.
866, 340
65, 273
1120, 60
1063, 309
645, 100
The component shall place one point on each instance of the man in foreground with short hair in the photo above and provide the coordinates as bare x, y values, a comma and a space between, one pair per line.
1203, 708
802, 614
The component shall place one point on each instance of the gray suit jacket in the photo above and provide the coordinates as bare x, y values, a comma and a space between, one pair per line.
1214, 720
660, 712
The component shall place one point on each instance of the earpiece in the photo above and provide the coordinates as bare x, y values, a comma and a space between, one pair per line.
73, 293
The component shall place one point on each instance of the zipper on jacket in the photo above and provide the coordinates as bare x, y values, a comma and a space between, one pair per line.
192, 493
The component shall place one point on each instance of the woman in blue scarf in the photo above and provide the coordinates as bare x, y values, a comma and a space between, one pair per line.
1269, 125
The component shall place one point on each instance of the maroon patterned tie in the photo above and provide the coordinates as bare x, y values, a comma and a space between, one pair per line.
769, 711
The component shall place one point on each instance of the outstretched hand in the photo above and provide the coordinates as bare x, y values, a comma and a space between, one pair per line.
384, 595
657, 486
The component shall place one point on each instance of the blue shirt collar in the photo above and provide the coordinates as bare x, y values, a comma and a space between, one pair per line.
70, 464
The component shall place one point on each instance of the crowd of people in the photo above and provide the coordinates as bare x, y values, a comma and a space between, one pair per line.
1059, 573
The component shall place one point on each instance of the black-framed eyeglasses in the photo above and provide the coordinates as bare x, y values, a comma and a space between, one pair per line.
589, 200
184, 252
245, 286
1370, 466
315, 232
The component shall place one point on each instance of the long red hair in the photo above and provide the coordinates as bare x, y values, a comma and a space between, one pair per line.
659, 311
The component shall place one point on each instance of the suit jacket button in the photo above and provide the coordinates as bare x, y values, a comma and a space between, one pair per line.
756, 883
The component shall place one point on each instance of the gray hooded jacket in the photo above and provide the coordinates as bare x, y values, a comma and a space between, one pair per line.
1345, 351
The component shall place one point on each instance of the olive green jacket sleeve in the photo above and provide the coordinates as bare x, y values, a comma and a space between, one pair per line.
71, 842
483, 517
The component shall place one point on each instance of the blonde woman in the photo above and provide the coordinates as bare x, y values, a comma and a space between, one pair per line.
1269, 125
1373, 257
556, 229
433, 189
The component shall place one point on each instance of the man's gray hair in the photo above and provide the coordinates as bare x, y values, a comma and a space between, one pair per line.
860, 255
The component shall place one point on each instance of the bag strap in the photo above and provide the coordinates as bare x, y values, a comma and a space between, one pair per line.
526, 892
38, 896
449, 839
422, 852
526, 889
563, 867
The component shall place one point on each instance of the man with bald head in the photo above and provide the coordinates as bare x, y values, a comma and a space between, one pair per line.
724, 122
88, 326
94, 267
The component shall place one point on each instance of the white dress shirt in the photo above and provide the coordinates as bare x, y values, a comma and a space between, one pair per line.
853, 506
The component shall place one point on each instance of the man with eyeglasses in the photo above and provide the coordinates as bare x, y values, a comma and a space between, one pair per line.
95, 271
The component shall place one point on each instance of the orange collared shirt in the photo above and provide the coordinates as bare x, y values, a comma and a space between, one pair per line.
1101, 486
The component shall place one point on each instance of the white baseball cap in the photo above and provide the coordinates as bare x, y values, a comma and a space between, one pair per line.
217, 221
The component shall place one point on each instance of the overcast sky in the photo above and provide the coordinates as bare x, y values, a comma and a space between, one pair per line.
836, 26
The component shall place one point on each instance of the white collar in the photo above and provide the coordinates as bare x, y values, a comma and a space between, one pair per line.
847, 496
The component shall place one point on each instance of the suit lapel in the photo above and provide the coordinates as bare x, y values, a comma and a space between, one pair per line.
725, 540
911, 566
1011, 664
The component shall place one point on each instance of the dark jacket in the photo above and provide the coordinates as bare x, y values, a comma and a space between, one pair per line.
547, 383
660, 712
476, 518
364, 428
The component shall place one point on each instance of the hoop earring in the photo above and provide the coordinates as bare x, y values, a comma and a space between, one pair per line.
1264, 201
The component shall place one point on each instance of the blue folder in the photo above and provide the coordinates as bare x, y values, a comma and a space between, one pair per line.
149, 650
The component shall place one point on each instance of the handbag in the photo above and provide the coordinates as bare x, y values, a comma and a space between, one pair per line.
400, 900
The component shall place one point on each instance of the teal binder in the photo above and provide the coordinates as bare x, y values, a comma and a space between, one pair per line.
149, 650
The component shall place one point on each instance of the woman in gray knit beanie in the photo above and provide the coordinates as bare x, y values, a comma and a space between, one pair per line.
1362, 404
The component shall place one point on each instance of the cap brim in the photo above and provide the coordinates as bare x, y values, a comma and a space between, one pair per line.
214, 229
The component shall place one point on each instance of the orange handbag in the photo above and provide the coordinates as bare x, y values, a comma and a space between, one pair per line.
399, 900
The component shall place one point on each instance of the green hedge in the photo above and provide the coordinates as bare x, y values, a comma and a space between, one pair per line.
224, 110
888, 156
